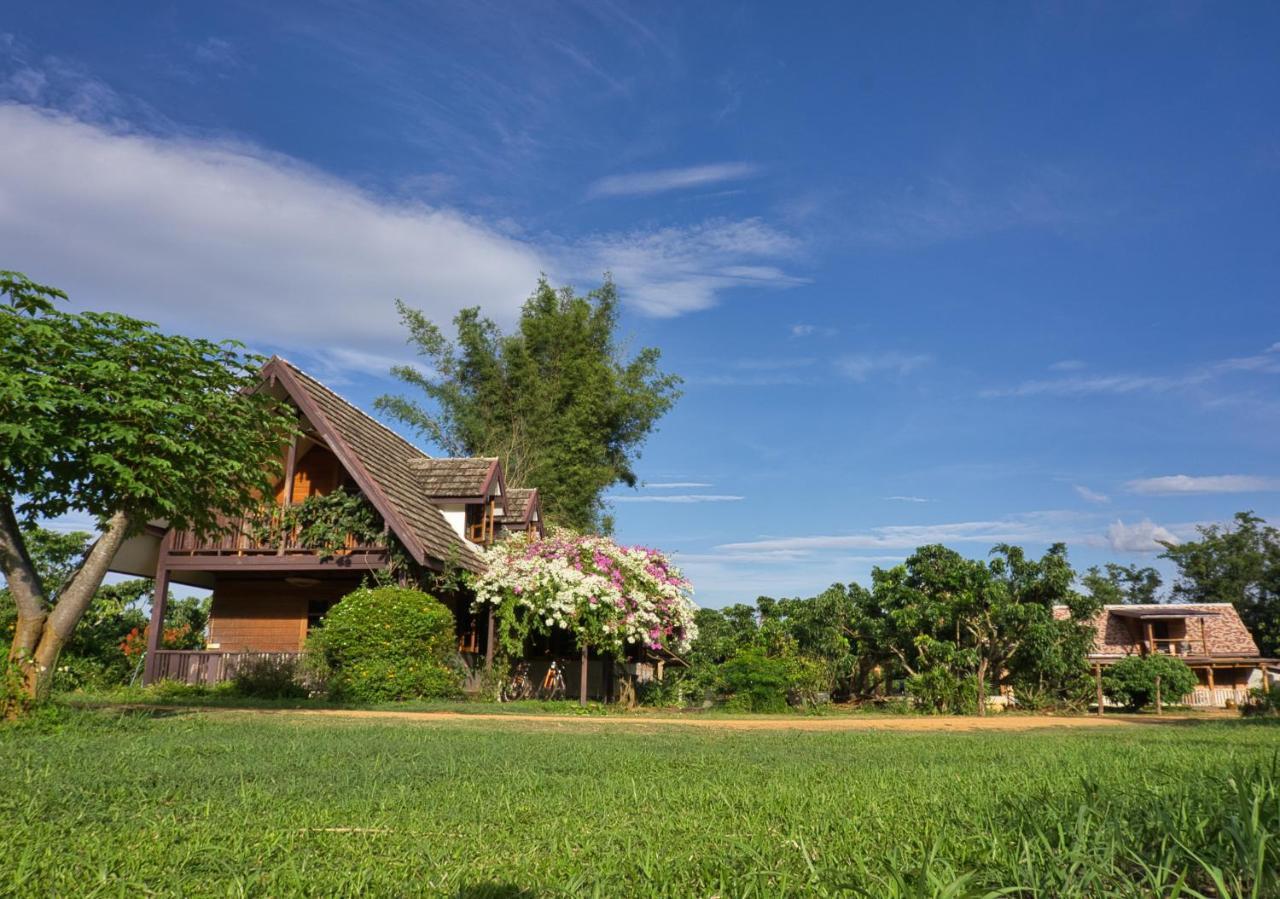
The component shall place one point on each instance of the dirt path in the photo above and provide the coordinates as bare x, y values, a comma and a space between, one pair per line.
998, 722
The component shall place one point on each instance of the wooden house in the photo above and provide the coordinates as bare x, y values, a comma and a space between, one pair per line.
269, 588
1209, 637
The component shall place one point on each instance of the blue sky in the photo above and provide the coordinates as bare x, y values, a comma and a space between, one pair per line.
931, 273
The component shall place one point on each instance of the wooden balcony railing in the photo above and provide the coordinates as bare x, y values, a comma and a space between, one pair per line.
1180, 646
250, 536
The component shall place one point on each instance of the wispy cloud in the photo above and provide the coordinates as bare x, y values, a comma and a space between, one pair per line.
675, 270
802, 329
908, 499
675, 485
663, 180
1266, 362
1144, 537
1223, 483
1092, 496
1067, 365
1038, 528
681, 498
861, 366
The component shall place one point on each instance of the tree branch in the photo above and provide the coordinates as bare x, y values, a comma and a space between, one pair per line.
15, 564
84, 583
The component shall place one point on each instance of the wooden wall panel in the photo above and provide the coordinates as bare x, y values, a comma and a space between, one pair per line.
316, 472
267, 615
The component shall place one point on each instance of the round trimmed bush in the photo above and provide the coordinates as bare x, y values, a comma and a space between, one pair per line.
389, 643
1132, 680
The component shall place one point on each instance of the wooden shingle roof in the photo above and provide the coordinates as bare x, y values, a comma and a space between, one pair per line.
1118, 628
382, 462
519, 503
455, 478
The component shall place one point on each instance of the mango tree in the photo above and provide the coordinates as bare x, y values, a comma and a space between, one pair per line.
103, 415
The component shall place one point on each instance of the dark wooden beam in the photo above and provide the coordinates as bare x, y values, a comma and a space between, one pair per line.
489, 640
1097, 679
155, 636
272, 562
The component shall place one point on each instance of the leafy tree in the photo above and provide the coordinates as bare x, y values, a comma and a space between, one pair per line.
941, 610
1132, 680
103, 414
1239, 564
1122, 584
555, 400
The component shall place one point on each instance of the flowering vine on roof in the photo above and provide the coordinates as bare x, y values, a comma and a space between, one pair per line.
609, 597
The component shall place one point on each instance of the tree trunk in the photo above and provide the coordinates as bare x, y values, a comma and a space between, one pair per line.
582, 679
39, 637
982, 687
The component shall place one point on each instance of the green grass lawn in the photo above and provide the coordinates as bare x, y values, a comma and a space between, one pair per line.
241, 803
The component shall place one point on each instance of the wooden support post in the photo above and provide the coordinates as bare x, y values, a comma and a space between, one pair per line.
1212, 696
1151, 639
286, 495
1159, 699
155, 635
1097, 678
1204, 641
488, 646
582, 679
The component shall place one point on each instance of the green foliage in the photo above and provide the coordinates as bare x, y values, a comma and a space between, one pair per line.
1122, 584
1263, 703
101, 413
268, 677
1239, 564
388, 643
1132, 680
940, 690
555, 400
757, 682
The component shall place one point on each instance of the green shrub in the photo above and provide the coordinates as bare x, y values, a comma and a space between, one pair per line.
389, 643
1263, 703
1132, 680
757, 682
269, 677
941, 691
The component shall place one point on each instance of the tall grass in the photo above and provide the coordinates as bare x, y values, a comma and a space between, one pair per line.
243, 804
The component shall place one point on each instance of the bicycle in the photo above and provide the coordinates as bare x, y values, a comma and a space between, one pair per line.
518, 686
553, 684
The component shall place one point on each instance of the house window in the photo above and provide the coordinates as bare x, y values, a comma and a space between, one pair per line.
316, 610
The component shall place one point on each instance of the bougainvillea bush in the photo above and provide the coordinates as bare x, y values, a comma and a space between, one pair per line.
609, 597
387, 643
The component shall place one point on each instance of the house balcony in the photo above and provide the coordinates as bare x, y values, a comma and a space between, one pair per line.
258, 542
1182, 647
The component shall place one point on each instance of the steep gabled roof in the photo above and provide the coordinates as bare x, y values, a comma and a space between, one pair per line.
1116, 625
521, 501
381, 462
456, 478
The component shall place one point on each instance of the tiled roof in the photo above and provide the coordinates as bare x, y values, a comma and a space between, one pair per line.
390, 462
1119, 633
518, 501
452, 477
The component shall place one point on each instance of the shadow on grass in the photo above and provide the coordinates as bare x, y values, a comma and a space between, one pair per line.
494, 891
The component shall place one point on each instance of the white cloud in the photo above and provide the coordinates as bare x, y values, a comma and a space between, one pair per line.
669, 485
806, 330
1087, 386
675, 270
663, 180
1067, 365
1092, 496
227, 241
908, 499
682, 498
859, 367
1031, 528
1181, 483
1142, 537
